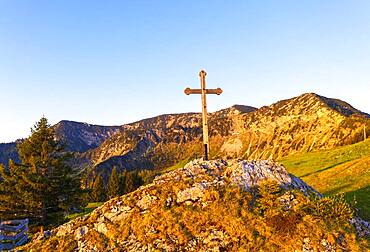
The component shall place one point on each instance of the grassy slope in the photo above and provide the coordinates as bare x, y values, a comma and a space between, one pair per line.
176, 166
341, 170
88, 209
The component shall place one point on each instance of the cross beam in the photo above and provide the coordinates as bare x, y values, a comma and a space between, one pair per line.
216, 91
203, 91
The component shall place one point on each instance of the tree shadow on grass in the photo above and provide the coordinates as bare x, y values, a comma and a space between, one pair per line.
323, 169
336, 190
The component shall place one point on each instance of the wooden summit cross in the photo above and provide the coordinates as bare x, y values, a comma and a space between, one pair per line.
203, 91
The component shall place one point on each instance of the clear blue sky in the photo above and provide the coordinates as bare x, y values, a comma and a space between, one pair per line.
114, 62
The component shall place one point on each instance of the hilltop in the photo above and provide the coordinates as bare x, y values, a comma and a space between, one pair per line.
219, 205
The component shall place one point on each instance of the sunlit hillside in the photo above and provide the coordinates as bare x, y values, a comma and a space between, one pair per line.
344, 169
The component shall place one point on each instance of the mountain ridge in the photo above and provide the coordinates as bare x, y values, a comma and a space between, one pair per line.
299, 124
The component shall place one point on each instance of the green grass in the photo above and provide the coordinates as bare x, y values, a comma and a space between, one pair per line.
341, 170
176, 166
88, 209
305, 164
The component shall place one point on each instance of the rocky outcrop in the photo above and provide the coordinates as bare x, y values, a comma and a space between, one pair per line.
248, 174
142, 220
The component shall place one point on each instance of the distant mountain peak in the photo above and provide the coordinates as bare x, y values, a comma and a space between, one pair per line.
234, 110
312, 103
81, 137
338, 105
243, 108
342, 107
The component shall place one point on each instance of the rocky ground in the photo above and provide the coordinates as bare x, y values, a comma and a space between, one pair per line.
214, 205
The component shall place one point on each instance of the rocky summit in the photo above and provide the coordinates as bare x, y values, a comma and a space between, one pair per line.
218, 205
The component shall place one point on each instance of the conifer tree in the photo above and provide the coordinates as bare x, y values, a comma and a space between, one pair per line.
130, 182
133, 181
138, 180
43, 184
17, 200
113, 184
98, 190
122, 182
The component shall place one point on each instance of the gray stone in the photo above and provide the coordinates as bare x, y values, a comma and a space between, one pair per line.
193, 193
80, 232
145, 202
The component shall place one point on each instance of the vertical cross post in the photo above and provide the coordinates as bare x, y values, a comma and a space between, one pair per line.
203, 92
202, 75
